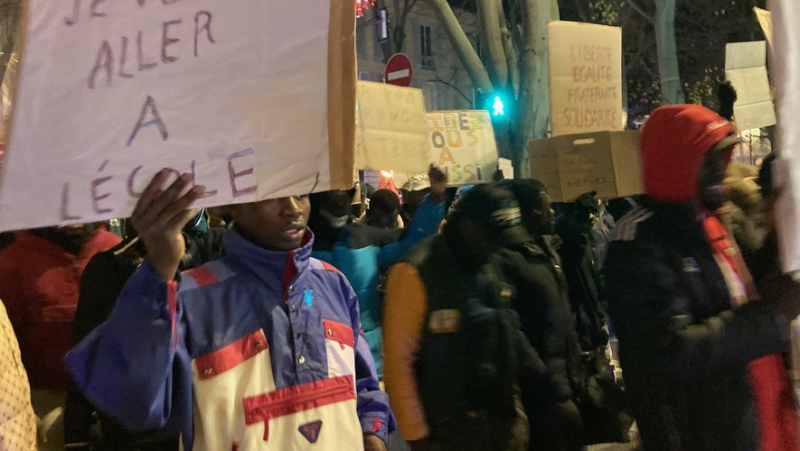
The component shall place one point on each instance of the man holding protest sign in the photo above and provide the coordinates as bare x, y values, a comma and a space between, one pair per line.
259, 350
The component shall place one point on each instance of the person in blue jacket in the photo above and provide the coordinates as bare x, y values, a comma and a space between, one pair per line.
259, 350
366, 250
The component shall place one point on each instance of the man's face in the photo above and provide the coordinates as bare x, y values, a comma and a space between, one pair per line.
713, 192
544, 219
337, 203
275, 224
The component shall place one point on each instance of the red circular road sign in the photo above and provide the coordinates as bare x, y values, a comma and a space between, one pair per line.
399, 70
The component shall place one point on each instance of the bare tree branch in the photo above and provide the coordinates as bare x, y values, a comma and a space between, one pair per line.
641, 11
454, 87
462, 45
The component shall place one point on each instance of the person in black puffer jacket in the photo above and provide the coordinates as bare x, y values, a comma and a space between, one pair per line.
542, 301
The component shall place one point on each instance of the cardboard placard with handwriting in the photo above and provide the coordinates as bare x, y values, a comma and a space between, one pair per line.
463, 144
251, 105
391, 132
585, 78
746, 69
606, 162
765, 20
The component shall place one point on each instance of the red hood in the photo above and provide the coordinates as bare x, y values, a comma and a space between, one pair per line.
673, 142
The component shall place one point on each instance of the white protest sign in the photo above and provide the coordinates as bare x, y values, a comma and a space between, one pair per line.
746, 69
252, 105
463, 144
391, 132
585, 78
786, 66
765, 20
507, 167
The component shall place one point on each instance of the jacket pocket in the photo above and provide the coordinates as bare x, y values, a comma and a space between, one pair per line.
320, 413
339, 346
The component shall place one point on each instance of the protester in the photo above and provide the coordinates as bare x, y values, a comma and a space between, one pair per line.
101, 284
365, 251
764, 180
534, 268
257, 350
331, 211
451, 337
701, 352
17, 421
39, 277
383, 211
727, 96
742, 214
414, 192
574, 227
600, 237
6, 238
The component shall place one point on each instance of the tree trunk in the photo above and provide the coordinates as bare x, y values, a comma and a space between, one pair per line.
495, 56
671, 88
462, 45
534, 93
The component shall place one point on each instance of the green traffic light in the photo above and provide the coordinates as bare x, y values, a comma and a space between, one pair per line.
499, 108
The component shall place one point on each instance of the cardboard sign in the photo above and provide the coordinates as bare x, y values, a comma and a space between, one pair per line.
463, 145
606, 162
585, 78
765, 20
786, 173
252, 105
746, 68
391, 132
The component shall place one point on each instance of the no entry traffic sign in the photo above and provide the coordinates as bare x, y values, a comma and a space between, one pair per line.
399, 70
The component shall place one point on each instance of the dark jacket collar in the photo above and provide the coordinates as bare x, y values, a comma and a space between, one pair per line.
680, 221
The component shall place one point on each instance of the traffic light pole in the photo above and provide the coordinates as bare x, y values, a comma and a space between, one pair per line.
381, 18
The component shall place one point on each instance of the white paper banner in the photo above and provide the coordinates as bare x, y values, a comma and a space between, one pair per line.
111, 92
786, 67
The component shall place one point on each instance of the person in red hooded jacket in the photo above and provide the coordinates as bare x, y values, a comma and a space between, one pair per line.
701, 342
40, 273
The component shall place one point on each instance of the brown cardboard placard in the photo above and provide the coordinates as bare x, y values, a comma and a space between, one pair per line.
585, 78
606, 162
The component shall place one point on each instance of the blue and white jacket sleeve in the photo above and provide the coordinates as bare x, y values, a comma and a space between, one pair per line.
373, 404
135, 366
426, 223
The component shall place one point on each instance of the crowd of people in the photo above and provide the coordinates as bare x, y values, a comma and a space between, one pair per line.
470, 320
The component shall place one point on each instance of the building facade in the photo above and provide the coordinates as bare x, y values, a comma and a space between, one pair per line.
437, 68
